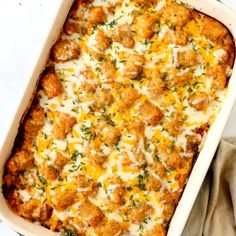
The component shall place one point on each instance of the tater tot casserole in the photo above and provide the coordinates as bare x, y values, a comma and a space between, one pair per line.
120, 115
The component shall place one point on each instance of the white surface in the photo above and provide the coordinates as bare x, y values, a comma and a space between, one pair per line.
21, 37
6, 231
23, 26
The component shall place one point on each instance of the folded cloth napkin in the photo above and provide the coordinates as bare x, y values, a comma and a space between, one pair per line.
214, 212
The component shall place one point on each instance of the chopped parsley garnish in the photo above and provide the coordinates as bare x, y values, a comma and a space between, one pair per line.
146, 42
139, 78
114, 22
35, 147
87, 131
141, 178
157, 158
75, 156
42, 179
117, 147
45, 135
76, 100
196, 83
101, 59
125, 220
94, 28
193, 45
68, 234
172, 89
64, 80
76, 167
172, 147
141, 186
141, 227
107, 118
190, 89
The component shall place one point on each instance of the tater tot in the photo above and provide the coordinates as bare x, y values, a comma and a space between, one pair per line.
51, 84
124, 35
176, 14
134, 66
139, 213
65, 50
150, 113
97, 15
212, 29
21, 160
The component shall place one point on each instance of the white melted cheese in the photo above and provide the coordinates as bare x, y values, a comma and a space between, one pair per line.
164, 30
25, 195
219, 55
160, 5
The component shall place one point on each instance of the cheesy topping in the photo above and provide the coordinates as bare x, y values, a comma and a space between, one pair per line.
122, 110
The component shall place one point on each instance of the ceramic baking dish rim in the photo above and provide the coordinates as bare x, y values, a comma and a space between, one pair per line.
210, 7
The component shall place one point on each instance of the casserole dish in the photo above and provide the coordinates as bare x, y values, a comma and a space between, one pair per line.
175, 231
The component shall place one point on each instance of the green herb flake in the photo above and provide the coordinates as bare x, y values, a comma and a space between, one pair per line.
42, 179
114, 22
107, 118
75, 156
35, 147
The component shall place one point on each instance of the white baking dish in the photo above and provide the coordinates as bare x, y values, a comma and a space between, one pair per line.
210, 7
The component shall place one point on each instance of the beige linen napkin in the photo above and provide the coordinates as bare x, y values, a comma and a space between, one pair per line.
214, 212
